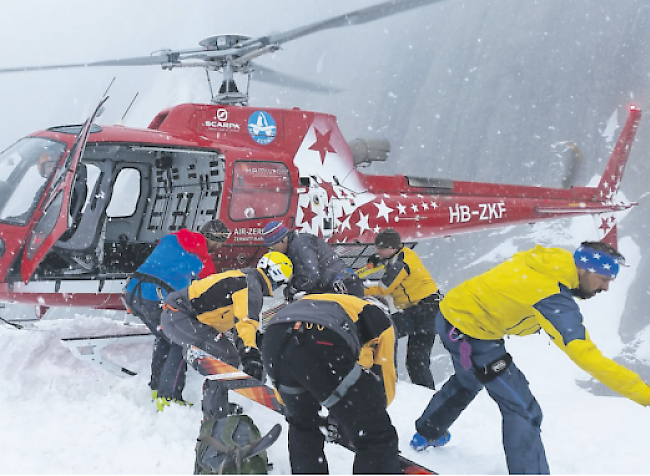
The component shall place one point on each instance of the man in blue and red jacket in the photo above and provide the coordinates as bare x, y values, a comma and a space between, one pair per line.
178, 259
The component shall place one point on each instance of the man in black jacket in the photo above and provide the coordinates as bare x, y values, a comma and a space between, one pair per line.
316, 267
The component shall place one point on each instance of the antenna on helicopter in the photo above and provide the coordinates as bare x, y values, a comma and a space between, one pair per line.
128, 108
101, 109
232, 54
109, 87
207, 74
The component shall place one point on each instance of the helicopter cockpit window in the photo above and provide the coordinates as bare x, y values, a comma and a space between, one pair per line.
126, 193
259, 190
25, 170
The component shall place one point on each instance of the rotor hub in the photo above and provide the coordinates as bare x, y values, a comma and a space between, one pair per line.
223, 42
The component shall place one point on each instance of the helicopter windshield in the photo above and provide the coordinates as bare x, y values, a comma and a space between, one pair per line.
25, 170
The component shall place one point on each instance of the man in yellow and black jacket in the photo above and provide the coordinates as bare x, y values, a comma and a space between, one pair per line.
207, 310
336, 351
533, 291
416, 295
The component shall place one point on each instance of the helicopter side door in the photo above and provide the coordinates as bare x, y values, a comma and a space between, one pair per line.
157, 191
54, 219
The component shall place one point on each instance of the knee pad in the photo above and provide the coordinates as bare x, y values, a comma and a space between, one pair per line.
493, 369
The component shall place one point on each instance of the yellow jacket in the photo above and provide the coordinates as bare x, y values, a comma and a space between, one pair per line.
231, 299
532, 292
406, 279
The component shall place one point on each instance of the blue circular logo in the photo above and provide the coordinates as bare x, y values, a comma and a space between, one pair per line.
262, 128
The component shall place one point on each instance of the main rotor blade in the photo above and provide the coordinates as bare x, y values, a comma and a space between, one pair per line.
137, 61
239, 54
268, 75
356, 17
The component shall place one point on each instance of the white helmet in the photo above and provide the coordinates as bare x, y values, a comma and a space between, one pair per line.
277, 266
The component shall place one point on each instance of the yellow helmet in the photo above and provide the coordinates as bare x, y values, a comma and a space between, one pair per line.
277, 266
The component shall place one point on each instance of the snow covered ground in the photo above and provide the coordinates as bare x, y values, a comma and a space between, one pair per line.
60, 415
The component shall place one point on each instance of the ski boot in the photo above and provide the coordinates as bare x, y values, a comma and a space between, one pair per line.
162, 402
420, 443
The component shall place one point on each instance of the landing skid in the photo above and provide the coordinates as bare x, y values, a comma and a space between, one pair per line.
16, 323
89, 349
12, 324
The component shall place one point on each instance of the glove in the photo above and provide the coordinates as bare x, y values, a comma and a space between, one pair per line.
329, 428
333, 432
251, 361
289, 292
374, 260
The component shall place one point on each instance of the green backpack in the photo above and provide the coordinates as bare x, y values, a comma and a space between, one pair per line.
233, 445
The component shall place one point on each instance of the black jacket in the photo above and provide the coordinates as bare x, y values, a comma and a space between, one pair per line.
315, 264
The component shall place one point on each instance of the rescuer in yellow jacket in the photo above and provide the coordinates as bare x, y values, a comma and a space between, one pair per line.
223, 305
533, 291
335, 351
415, 294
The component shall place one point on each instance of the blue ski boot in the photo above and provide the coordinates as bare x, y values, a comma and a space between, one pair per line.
420, 443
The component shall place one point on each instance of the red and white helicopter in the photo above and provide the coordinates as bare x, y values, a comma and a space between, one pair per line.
71, 233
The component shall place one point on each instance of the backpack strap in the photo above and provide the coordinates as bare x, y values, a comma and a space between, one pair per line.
229, 431
147, 278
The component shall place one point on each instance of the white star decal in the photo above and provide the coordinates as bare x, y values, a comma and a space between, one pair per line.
401, 208
345, 224
597, 256
607, 266
434, 205
383, 210
363, 222
425, 206
414, 207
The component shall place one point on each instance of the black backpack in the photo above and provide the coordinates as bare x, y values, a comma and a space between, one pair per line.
233, 445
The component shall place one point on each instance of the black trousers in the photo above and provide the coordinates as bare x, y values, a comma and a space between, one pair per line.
185, 330
417, 322
168, 366
315, 362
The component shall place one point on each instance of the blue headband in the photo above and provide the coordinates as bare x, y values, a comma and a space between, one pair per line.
596, 261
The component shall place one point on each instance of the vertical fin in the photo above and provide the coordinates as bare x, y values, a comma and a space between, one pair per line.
611, 178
